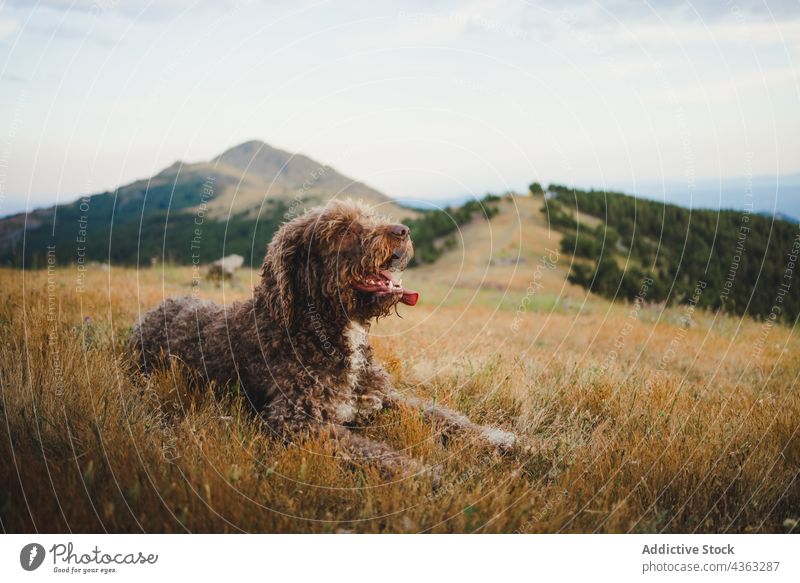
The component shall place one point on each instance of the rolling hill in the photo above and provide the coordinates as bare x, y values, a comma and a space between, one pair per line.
606, 242
630, 248
187, 213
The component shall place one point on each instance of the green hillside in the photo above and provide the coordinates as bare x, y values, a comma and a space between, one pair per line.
187, 213
433, 231
731, 260
133, 225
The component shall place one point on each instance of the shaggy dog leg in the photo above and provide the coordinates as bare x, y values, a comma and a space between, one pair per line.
357, 448
375, 383
454, 422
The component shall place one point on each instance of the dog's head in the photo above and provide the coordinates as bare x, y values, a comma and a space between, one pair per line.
342, 258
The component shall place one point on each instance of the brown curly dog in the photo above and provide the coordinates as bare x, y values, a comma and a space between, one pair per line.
300, 348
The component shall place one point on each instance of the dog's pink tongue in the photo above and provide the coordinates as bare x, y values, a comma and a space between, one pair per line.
410, 297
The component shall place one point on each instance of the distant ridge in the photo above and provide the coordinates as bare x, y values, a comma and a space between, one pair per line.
242, 195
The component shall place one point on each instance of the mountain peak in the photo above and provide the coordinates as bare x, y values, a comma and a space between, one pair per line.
294, 173
244, 155
250, 147
257, 158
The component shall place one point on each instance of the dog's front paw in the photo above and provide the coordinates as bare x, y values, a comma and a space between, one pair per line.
503, 440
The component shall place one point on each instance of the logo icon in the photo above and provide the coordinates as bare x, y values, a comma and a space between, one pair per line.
31, 556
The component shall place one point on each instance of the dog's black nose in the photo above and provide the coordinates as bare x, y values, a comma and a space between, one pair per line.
399, 231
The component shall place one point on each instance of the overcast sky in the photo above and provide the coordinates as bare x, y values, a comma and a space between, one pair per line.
418, 99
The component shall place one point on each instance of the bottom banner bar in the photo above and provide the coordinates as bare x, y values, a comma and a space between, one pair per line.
355, 558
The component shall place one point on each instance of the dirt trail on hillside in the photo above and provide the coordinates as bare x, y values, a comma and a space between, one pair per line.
512, 252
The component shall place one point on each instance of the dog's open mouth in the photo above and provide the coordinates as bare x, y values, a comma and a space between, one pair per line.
384, 283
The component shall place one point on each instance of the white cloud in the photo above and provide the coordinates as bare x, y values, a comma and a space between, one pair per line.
8, 27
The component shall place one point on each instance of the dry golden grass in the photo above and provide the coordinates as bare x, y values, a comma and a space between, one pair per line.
636, 421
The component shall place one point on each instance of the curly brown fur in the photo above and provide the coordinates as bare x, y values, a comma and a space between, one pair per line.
299, 347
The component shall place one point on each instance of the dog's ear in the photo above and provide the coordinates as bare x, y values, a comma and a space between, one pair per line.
282, 268
287, 274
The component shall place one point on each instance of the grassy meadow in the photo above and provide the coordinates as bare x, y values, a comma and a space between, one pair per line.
636, 417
